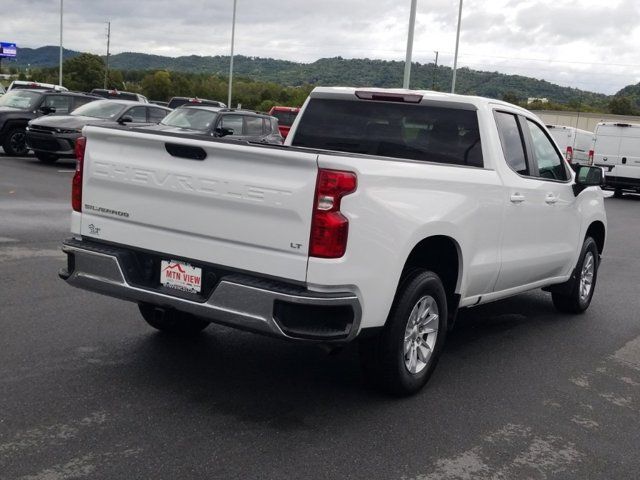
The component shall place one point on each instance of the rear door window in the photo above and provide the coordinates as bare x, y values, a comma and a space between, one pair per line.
156, 114
407, 131
512, 141
253, 126
138, 114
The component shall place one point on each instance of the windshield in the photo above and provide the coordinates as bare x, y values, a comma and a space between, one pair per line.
23, 99
192, 118
100, 109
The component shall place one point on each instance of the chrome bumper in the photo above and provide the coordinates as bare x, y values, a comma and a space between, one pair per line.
233, 302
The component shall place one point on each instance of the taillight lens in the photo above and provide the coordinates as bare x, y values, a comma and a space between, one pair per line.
569, 154
591, 153
329, 228
76, 183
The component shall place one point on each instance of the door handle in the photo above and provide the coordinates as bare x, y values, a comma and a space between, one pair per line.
550, 199
516, 198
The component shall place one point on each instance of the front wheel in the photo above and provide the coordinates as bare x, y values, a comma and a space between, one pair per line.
402, 357
172, 322
578, 298
617, 193
14, 143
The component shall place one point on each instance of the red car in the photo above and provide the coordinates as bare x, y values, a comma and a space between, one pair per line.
285, 116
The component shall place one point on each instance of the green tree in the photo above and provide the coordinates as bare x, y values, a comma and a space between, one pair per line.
511, 97
621, 106
157, 86
84, 72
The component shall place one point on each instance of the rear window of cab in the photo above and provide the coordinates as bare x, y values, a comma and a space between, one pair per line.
400, 130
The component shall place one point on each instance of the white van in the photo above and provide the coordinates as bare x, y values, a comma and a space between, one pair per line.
616, 148
573, 142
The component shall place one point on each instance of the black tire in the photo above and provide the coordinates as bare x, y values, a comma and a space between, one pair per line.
617, 193
173, 322
14, 143
575, 301
48, 158
383, 357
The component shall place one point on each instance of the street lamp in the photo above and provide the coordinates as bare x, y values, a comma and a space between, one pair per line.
455, 57
60, 70
233, 34
407, 62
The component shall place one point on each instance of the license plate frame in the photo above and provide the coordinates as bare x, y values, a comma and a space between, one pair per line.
181, 276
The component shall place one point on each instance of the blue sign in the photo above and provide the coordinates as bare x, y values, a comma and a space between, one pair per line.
8, 50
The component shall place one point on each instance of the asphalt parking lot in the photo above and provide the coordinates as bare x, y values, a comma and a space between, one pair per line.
88, 390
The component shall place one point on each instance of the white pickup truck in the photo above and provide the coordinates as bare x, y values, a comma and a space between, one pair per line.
384, 213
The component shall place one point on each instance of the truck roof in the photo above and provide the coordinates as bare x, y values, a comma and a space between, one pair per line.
426, 96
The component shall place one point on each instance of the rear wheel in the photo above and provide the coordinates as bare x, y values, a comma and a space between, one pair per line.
617, 193
14, 143
402, 357
47, 158
578, 299
172, 322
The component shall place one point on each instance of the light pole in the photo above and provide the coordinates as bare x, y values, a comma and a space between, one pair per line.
60, 70
435, 70
407, 62
233, 35
455, 57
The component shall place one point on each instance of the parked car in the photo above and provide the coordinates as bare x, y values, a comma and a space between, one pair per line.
574, 142
19, 106
176, 102
616, 148
159, 102
118, 95
54, 137
286, 116
222, 122
384, 213
29, 85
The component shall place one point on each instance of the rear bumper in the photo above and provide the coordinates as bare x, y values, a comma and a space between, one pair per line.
237, 300
622, 182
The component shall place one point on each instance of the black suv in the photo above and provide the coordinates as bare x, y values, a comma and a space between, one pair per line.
222, 122
18, 107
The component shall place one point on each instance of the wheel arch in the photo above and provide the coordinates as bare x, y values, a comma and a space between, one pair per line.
442, 255
596, 230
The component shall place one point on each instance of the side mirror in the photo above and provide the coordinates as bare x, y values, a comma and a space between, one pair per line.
47, 110
223, 132
588, 177
125, 119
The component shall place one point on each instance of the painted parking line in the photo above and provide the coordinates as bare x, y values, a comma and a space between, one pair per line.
66, 171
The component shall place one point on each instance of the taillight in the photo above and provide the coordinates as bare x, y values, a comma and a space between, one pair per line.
591, 153
76, 183
329, 228
569, 154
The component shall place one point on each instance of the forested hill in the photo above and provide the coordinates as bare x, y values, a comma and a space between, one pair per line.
334, 71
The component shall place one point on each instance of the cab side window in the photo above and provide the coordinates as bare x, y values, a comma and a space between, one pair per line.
61, 103
512, 141
232, 122
253, 125
138, 114
548, 160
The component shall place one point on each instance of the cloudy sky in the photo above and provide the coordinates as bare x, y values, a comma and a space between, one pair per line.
588, 44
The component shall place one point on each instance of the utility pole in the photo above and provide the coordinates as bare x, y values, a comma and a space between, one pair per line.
106, 71
407, 62
233, 35
60, 70
455, 58
435, 70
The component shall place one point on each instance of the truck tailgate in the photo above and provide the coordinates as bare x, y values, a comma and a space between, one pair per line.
244, 206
